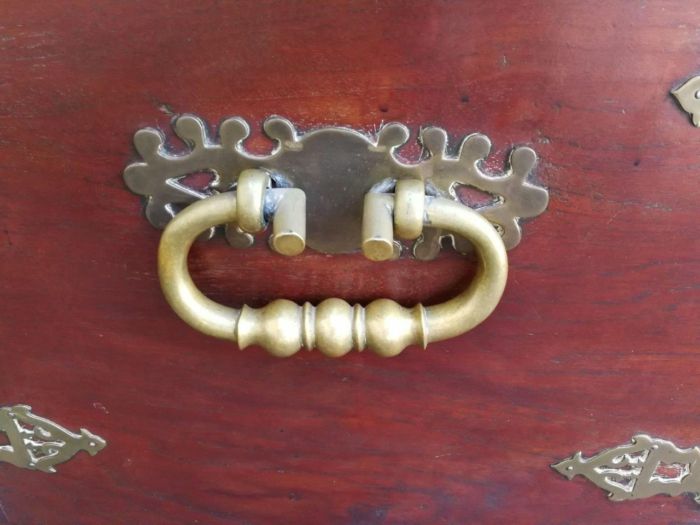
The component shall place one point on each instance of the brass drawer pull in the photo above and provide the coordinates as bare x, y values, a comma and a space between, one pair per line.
334, 326
359, 192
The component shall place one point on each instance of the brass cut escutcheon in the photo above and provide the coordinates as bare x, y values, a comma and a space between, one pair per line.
37, 443
359, 194
645, 467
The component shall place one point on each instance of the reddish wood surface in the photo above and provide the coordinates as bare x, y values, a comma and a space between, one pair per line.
596, 339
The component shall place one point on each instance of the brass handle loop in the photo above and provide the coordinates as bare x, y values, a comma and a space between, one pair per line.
334, 326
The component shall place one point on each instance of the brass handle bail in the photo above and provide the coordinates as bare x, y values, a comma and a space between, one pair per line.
333, 326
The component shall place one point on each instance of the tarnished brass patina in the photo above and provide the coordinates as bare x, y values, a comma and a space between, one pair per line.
360, 194
335, 167
334, 326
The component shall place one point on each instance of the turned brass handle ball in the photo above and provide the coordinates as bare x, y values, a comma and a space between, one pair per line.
334, 327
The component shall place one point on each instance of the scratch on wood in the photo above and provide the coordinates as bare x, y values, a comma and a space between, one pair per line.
166, 108
4, 518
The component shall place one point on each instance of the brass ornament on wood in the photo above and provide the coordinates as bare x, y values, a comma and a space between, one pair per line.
37, 443
335, 167
359, 195
645, 467
688, 96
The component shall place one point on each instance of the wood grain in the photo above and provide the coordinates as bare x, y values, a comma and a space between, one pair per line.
596, 338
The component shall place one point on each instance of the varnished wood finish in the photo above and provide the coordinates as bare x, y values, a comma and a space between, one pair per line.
596, 337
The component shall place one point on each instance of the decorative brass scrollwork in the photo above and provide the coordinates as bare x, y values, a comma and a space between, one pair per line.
645, 467
335, 167
39, 444
359, 194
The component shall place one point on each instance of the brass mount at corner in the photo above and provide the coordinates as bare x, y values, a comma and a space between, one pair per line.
359, 194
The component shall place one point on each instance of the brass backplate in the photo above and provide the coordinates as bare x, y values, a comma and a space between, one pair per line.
335, 167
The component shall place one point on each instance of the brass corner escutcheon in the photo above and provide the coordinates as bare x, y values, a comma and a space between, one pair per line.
37, 443
359, 194
645, 467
